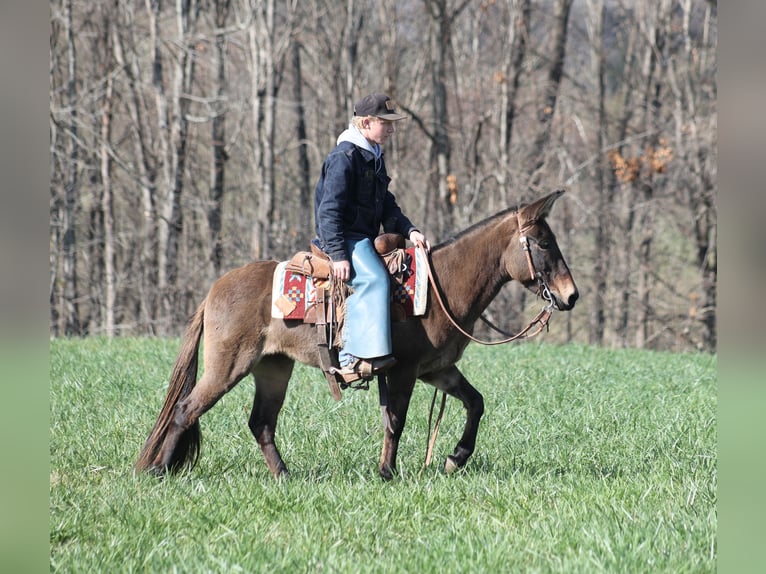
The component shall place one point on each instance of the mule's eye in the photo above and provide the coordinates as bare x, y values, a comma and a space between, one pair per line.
544, 244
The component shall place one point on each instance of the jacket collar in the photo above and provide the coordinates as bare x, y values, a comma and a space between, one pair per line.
354, 136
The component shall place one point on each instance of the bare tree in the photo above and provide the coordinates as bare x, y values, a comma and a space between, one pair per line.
268, 41
107, 206
354, 24
172, 220
186, 136
304, 211
442, 196
218, 135
69, 237
145, 156
602, 240
162, 119
645, 186
693, 87
622, 173
389, 21
515, 52
546, 106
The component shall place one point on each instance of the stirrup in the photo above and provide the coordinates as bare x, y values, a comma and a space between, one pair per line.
363, 368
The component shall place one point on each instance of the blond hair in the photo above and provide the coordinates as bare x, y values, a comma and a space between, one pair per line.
357, 121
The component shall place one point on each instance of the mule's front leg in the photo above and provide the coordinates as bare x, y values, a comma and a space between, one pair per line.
399, 394
271, 377
452, 382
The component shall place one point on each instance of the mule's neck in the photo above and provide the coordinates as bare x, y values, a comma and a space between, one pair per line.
471, 269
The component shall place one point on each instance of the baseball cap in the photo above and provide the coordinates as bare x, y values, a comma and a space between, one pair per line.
379, 106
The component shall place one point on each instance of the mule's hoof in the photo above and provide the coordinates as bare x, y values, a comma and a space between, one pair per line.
450, 465
385, 473
280, 472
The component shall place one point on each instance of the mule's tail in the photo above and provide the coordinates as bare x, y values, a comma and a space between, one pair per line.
182, 381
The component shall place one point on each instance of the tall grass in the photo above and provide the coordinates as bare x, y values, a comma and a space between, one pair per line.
588, 460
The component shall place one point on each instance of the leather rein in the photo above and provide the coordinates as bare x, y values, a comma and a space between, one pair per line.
541, 320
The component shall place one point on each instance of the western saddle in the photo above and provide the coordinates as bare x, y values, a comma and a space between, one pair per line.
327, 312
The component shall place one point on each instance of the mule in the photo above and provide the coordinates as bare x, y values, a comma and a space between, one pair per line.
241, 338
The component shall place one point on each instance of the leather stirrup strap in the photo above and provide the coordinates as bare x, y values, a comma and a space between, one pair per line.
325, 359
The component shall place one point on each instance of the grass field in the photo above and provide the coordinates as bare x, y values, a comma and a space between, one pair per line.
588, 460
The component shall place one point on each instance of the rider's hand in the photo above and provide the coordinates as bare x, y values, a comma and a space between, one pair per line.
420, 240
341, 270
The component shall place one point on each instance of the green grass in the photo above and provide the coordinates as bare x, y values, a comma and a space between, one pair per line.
588, 460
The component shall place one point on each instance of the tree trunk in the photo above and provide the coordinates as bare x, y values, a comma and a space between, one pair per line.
518, 35
354, 25
267, 51
54, 239
645, 187
218, 135
71, 185
387, 11
154, 8
547, 108
110, 283
146, 166
602, 236
305, 214
443, 204
624, 221
694, 144
262, 89
173, 220
443, 189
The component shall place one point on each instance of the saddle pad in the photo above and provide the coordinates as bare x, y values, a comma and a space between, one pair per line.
293, 293
413, 293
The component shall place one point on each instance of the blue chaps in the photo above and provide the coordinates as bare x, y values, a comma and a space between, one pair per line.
367, 327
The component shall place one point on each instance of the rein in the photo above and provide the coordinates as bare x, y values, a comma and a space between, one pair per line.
541, 319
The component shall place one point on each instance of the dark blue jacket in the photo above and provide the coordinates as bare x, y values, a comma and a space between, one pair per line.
352, 200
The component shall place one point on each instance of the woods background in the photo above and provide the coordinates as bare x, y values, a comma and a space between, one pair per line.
186, 138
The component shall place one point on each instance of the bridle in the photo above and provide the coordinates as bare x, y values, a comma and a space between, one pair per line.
541, 320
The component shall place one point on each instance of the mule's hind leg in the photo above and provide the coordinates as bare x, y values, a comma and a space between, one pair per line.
271, 375
222, 373
452, 382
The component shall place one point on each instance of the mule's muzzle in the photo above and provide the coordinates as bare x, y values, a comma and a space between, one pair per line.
566, 301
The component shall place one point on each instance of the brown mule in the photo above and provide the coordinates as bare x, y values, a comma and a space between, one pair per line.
241, 338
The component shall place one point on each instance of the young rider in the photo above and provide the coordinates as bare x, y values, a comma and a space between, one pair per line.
351, 203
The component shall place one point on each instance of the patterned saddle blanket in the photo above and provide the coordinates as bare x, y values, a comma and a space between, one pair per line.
294, 292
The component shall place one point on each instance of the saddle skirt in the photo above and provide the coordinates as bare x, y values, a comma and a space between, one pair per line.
294, 288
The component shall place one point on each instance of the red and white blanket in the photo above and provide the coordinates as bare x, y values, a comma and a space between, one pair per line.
292, 293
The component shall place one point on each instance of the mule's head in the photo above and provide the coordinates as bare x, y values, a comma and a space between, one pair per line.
547, 262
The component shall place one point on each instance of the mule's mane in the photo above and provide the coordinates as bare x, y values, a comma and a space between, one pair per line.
478, 226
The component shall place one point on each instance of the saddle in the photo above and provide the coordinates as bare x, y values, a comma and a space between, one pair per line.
317, 264
327, 309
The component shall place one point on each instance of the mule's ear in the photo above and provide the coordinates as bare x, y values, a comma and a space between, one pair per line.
541, 208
